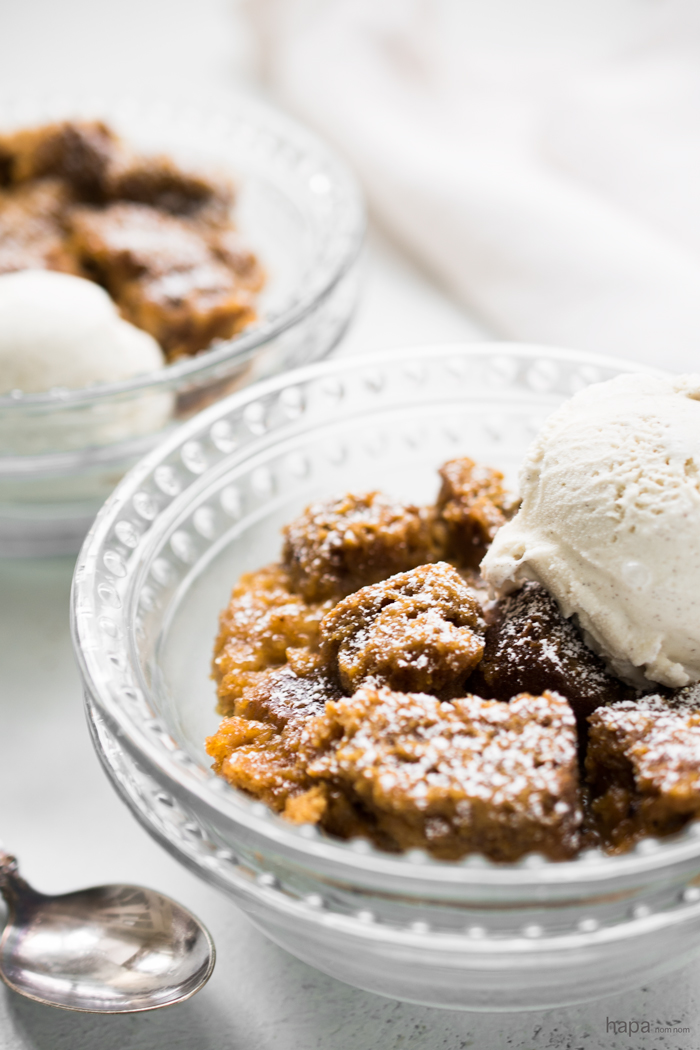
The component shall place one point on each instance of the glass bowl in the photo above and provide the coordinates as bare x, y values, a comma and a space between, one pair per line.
299, 209
158, 566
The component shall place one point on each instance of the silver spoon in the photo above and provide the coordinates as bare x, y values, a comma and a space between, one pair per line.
110, 949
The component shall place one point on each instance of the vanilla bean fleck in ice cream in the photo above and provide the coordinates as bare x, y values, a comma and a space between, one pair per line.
610, 523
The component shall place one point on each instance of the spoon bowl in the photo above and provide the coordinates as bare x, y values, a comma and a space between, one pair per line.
110, 949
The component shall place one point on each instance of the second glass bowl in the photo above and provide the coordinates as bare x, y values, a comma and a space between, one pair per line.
158, 567
299, 209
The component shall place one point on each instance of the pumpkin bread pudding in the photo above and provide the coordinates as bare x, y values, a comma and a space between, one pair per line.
370, 687
160, 239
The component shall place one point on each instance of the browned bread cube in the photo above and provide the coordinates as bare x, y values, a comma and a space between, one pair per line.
162, 184
643, 765
418, 631
263, 621
531, 647
80, 152
31, 233
341, 544
470, 775
283, 697
409, 771
186, 310
266, 746
127, 241
472, 505
163, 276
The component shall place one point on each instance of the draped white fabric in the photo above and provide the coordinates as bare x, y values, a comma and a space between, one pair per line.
541, 156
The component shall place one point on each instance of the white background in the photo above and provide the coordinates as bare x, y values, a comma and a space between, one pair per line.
57, 811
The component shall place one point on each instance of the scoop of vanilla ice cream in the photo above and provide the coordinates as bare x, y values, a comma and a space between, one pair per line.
610, 524
61, 331
57, 330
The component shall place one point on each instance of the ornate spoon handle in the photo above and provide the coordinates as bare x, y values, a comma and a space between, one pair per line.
8, 865
12, 885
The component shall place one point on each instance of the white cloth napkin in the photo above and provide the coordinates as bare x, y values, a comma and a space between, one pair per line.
541, 156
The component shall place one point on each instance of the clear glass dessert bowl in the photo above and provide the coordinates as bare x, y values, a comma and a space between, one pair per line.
158, 566
298, 208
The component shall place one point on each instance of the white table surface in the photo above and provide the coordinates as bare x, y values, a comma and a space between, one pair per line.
57, 810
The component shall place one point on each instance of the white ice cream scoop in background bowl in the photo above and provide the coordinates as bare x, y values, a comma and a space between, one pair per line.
60, 332
57, 330
64, 447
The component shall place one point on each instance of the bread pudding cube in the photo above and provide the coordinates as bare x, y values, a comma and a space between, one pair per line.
531, 647
262, 623
265, 749
31, 231
471, 506
127, 241
470, 775
186, 310
643, 765
341, 544
418, 631
80, 152
162, 184
163, 276
283, 698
